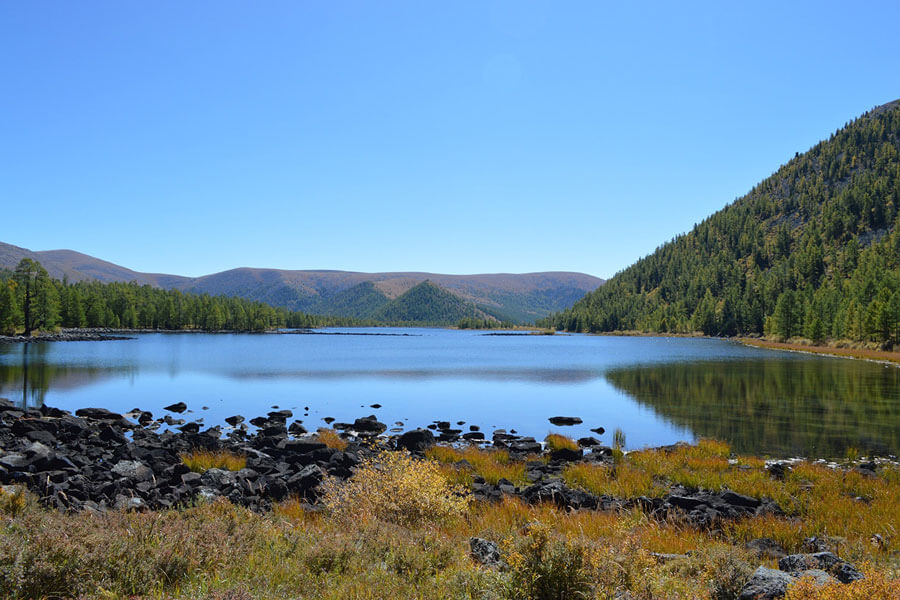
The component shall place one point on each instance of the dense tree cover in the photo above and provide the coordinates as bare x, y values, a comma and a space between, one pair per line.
30, 300
427, 303
813, 251
476, 323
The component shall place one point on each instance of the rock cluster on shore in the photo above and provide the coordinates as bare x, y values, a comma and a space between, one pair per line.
99, 460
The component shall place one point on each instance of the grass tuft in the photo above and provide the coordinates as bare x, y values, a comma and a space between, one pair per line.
556, 441
200, 460
332, 439
490, 464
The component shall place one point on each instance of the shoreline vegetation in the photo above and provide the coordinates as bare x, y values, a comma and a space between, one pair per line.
351, 513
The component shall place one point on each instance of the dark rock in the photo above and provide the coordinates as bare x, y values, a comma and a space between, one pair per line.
133, 470
328, 420
826, 561
473, 435
234, 420
565, 420
297, 428
588, 442
281, 415
599, 430
98, 414
376, 406
739, 500
178, 407
566, 455
368, 425
766, 548
190, 428
766, 584
818, 576
484, 551
779, 470
416, 440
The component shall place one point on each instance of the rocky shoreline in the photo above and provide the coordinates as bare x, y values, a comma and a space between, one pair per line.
99, 460
63, 336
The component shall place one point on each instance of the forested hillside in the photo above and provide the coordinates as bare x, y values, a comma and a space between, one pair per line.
811, 251
31, 301
427, 303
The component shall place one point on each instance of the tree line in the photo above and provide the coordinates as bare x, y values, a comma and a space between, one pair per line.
812, 251
30, 300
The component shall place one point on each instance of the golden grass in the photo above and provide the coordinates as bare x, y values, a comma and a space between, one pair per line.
875, 585
393, 547
332, 439
200, 460
491, 464
556, 441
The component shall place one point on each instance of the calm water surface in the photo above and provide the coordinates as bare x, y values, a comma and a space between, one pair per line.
657, 390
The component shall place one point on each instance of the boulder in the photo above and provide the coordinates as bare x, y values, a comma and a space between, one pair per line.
484, 551
766, 584
134, 470
178, 407
826, 561
564, 421
98, 414
416, 440
368, 425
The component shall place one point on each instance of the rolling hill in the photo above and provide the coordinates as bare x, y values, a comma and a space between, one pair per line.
520, 298
812, 251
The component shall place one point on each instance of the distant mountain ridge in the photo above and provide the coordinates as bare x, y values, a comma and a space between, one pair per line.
520, 298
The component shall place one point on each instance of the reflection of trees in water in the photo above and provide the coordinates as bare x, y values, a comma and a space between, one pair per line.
782, 407
28, 379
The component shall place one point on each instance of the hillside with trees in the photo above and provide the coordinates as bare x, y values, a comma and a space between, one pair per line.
812, 251
30, 300
519, 298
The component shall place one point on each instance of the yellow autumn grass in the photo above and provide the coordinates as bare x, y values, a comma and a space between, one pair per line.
556, 441
491, 464
200, 460
332, 439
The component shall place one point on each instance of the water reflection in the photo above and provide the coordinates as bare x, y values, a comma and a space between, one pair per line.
816, 407
29, 377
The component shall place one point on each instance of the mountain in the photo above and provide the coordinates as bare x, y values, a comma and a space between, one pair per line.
427, 303
521, 298
813, 251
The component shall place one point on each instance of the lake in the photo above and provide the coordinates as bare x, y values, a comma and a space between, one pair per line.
657, 390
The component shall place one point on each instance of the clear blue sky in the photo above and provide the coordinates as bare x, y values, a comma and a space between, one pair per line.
456, 137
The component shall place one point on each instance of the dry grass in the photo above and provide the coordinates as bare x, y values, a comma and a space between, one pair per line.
332, 439
200, 460
491, 464
396, 488
875, 585
556, 441
837, 350
398, 529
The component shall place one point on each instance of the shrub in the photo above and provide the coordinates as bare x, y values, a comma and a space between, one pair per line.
543, 568
13, 500
394, 487
200, 460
